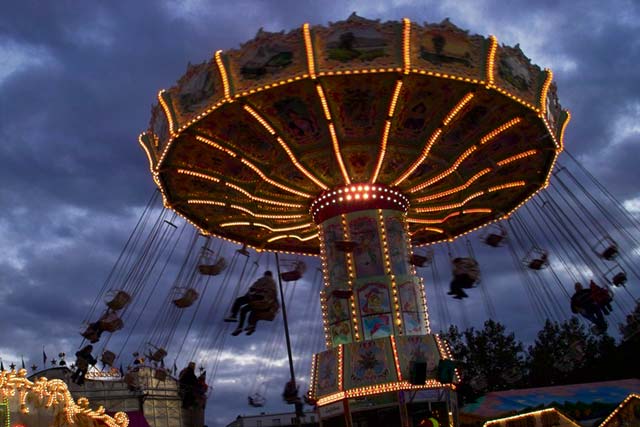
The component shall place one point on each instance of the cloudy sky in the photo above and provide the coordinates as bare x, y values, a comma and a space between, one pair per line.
77, 80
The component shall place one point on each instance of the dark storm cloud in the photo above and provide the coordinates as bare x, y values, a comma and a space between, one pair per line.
77, 81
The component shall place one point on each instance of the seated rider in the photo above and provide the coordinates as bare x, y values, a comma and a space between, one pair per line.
465, 274
84, 359
582, 303
262, 296
188, 382
601, 297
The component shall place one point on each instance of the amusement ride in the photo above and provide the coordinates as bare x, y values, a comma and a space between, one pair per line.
391, 151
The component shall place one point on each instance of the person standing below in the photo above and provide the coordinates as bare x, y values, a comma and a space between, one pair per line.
262, 296
187, 381
429, 421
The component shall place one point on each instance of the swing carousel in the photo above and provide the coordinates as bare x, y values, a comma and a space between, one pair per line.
357, 142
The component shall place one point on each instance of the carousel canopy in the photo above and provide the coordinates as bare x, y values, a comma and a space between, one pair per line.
462, 128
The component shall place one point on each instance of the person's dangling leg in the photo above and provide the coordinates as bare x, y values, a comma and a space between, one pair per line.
239, 302
243, 315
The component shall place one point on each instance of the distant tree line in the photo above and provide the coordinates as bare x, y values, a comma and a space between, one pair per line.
491, 359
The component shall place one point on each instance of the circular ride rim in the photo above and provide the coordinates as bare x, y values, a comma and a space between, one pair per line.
465, 129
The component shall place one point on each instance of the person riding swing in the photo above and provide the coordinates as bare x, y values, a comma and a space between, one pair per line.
260, 302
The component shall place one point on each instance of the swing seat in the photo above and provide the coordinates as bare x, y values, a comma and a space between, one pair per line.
290, 393
213, 269
468, 267
345, 245
187, 299
110, 322
295, 274
266, 315
91, 334
158, 355
418, 260
619, 279
160, 374
119, 300
494, 240
256, 400
342, 293
537, 264
108, 357
610, 252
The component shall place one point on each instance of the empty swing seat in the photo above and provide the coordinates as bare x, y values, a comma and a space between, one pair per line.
256, 400
418, 260
119, 300
295, 274
110, 322
494, 240
213, 269
187, 299
537, 263
610, 252
158, 355
619, 279
108, 357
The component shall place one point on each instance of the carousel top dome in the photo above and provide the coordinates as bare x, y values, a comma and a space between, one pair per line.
460, 129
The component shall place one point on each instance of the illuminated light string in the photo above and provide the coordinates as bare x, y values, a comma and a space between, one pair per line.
425, 306
308, 47
338, 154
147, 152
387, 128
260, 199
447, 172
223, 74
54, 392
356, 193
434, 138
497, 131
450, 206
502, 421
619, 408
392, 277
215, 145
293, 236
379, 389
284, 146
406, 45
564, 127
257, 224
544, 90
323, 102
517, 157
456, 189
350, 262
396, 360
167, 112
459, 106
198, 175
491, 57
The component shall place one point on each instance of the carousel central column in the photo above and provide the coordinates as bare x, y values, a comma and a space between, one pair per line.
379, 346
371, 288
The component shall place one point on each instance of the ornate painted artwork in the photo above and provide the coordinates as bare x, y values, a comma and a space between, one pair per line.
412, 323
338, 309
367, 255
335, 258
196, 87
159, 127
268, 59
341, 333
373, 298
422, 348
377, 326
408, 296
369, 363
327, 373
361, 43
397, 242
295, 114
